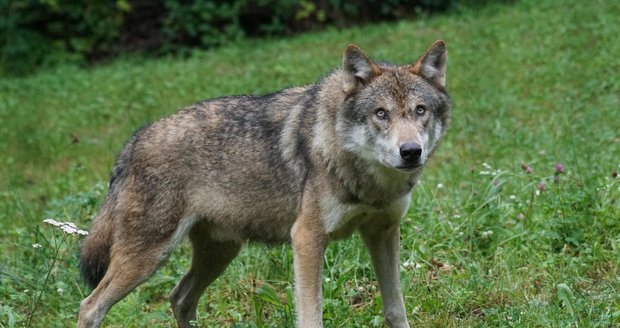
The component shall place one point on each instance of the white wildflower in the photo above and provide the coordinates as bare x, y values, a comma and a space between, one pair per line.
410, 265
415, 310
60, 290
487, 234
487, 166
35, 246
68, 227
439, 185
52, 222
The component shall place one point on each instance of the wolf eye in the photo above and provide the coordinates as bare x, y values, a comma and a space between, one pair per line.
420, 110
380, 113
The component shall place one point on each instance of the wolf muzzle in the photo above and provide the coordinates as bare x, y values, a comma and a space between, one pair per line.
411, 152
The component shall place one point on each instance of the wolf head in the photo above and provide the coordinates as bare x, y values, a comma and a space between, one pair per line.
393, 115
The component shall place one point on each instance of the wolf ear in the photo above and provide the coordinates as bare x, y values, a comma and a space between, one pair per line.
432, 65
358, 69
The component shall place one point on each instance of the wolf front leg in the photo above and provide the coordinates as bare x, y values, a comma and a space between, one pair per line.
309, 241
383, 243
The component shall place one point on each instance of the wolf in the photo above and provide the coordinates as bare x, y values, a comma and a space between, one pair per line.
305, 165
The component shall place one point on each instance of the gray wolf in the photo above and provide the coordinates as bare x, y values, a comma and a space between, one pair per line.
304, 165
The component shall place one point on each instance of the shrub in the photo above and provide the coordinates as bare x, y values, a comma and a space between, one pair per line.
36, 33
41, 32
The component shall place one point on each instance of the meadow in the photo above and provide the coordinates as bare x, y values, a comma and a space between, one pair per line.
516, 222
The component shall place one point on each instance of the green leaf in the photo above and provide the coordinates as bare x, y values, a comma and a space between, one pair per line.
565, 294
268, 294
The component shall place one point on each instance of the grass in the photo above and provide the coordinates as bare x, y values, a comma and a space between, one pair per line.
484, 244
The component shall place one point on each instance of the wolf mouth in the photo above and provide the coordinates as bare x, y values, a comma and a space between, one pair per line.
409, 168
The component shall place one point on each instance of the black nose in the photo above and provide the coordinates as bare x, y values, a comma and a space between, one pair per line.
410, 151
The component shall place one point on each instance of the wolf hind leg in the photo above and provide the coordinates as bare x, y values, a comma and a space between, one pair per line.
209, 259
129, 267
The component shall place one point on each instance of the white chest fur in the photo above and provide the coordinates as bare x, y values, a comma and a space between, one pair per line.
340, 219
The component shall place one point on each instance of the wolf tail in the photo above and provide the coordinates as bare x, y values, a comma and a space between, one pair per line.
95, 253
96, 249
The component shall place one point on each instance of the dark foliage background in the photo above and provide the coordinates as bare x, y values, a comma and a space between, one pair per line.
36, 33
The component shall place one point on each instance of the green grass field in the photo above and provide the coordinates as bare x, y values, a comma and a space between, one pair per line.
485, 244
